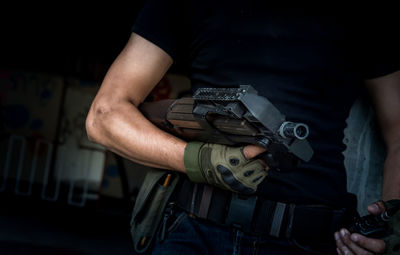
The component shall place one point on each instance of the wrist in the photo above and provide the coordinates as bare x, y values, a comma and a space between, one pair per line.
191, 162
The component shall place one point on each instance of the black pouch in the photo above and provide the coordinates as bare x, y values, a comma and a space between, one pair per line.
152, 199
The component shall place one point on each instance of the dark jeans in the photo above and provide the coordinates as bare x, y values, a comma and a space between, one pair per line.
187, 235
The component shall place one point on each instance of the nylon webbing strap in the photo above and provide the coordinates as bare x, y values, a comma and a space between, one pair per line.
290, 223
301, 222
193, 201
277, 219
205, 201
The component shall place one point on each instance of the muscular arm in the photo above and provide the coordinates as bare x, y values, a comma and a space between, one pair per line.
114, 120
385, 94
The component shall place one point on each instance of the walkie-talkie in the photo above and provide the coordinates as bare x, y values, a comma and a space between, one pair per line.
376, 226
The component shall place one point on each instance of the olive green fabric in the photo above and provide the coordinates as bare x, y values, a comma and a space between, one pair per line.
149, 207
223, 166
191, 161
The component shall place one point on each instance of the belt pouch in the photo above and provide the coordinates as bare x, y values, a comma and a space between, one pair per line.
149, 207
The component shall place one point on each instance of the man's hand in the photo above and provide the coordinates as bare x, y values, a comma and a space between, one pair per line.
226, 167
349, 244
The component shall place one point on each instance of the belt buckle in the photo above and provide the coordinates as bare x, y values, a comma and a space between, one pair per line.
241, 210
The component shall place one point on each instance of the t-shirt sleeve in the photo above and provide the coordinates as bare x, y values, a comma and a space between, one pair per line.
381, 54
161, 22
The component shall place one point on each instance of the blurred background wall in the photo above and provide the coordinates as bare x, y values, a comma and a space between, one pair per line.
60, 193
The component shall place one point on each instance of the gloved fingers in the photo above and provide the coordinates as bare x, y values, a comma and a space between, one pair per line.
228, 167
253, 173
241, 161
229, 179
245, 179
233, 156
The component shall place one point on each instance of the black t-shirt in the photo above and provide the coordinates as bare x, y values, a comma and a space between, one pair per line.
309, 64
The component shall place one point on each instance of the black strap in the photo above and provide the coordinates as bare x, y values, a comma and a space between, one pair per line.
259, 216
205, 201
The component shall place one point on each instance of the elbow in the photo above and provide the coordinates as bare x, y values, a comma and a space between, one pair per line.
96, 120
89, 125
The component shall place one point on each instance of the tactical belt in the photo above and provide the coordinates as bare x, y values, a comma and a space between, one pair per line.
259, 216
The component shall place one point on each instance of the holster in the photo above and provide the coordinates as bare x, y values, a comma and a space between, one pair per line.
149, 207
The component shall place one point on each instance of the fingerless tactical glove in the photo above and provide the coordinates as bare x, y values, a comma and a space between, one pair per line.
223, 166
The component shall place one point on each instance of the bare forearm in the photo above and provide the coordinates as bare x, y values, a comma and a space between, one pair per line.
385, 94
125, 131
391, 175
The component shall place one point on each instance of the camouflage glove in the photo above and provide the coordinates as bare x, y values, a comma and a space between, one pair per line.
223, 166
393, 241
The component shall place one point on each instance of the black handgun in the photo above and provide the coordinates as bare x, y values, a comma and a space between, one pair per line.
376, 226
